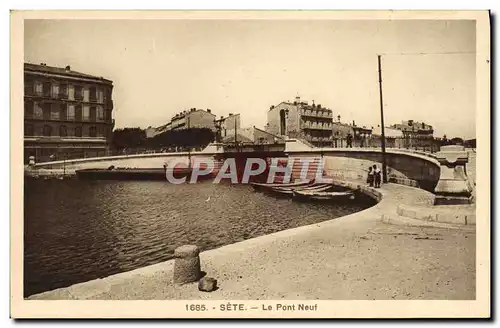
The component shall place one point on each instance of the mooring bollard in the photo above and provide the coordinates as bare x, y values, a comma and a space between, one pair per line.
187, 264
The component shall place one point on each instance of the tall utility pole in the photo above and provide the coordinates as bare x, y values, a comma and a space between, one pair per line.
235, 134
384, 165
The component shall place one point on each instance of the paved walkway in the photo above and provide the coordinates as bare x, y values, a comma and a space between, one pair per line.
353, 257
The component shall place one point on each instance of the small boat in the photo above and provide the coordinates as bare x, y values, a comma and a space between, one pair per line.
262, 186
320, 195
289, 191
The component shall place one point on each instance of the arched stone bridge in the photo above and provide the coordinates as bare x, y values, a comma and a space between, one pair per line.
406, 167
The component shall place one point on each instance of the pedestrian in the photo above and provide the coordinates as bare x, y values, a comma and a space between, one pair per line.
377, 174
370, 177
349, 140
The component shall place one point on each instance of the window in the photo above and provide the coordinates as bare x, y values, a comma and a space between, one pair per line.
29, 130
47, 130
78, 131
71, 113
28, 108
46, 89
78, 112
78, 92
38, 88
38, 111
92, 114
93, 94
54, 112
46, 111
63, 115
63, 131
55, 90
85, 113
92, 131
28, 88
63, 91
100, 113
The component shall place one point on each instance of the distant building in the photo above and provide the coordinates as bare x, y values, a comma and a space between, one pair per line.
188, 119
298, 119
67, 114
252, 135
229, 124
389, 132
414, 129
340, 131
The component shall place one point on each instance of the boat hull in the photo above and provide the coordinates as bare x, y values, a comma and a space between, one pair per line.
267, 186
323, 196
156, 174
289, 191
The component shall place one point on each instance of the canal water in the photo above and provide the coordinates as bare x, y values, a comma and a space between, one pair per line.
75, 231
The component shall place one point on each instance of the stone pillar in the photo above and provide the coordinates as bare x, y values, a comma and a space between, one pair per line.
187, 264
453, 186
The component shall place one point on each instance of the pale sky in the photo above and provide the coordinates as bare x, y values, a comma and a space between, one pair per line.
161, 67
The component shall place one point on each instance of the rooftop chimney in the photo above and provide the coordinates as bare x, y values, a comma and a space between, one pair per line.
209, 110
353, 123
230, 114
68, 68
338, 117
297, 99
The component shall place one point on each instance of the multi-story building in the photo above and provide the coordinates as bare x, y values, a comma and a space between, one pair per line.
228, 125
193, 118
312, 123
413, 129
341, 130
67, 114
188, 119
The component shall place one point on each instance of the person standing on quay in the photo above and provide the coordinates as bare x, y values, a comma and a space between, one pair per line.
370, 180
377, 174
349, 140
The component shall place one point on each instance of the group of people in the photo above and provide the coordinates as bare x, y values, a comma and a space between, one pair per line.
374, 176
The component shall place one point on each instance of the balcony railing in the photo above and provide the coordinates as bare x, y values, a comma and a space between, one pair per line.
316, 113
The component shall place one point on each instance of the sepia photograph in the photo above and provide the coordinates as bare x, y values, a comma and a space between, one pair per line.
246, 164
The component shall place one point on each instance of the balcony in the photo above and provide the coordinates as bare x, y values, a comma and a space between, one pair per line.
321, 113
316, 126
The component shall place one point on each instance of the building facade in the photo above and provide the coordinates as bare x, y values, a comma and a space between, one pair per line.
67, 114
360, 134
228, 125
414, 129
298, 119
188, 119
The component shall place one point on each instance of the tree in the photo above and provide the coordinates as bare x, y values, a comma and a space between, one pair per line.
128, 138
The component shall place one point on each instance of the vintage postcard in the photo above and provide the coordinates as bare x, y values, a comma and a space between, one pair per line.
250, 164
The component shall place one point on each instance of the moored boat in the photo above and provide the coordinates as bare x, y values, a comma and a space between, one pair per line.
321, 195
262, 186
312, 187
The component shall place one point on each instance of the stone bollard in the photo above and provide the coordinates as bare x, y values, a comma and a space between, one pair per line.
453, 186
187, 264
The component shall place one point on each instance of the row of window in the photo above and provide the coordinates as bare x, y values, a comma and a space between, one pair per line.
65, 91
63, 111
64, 131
